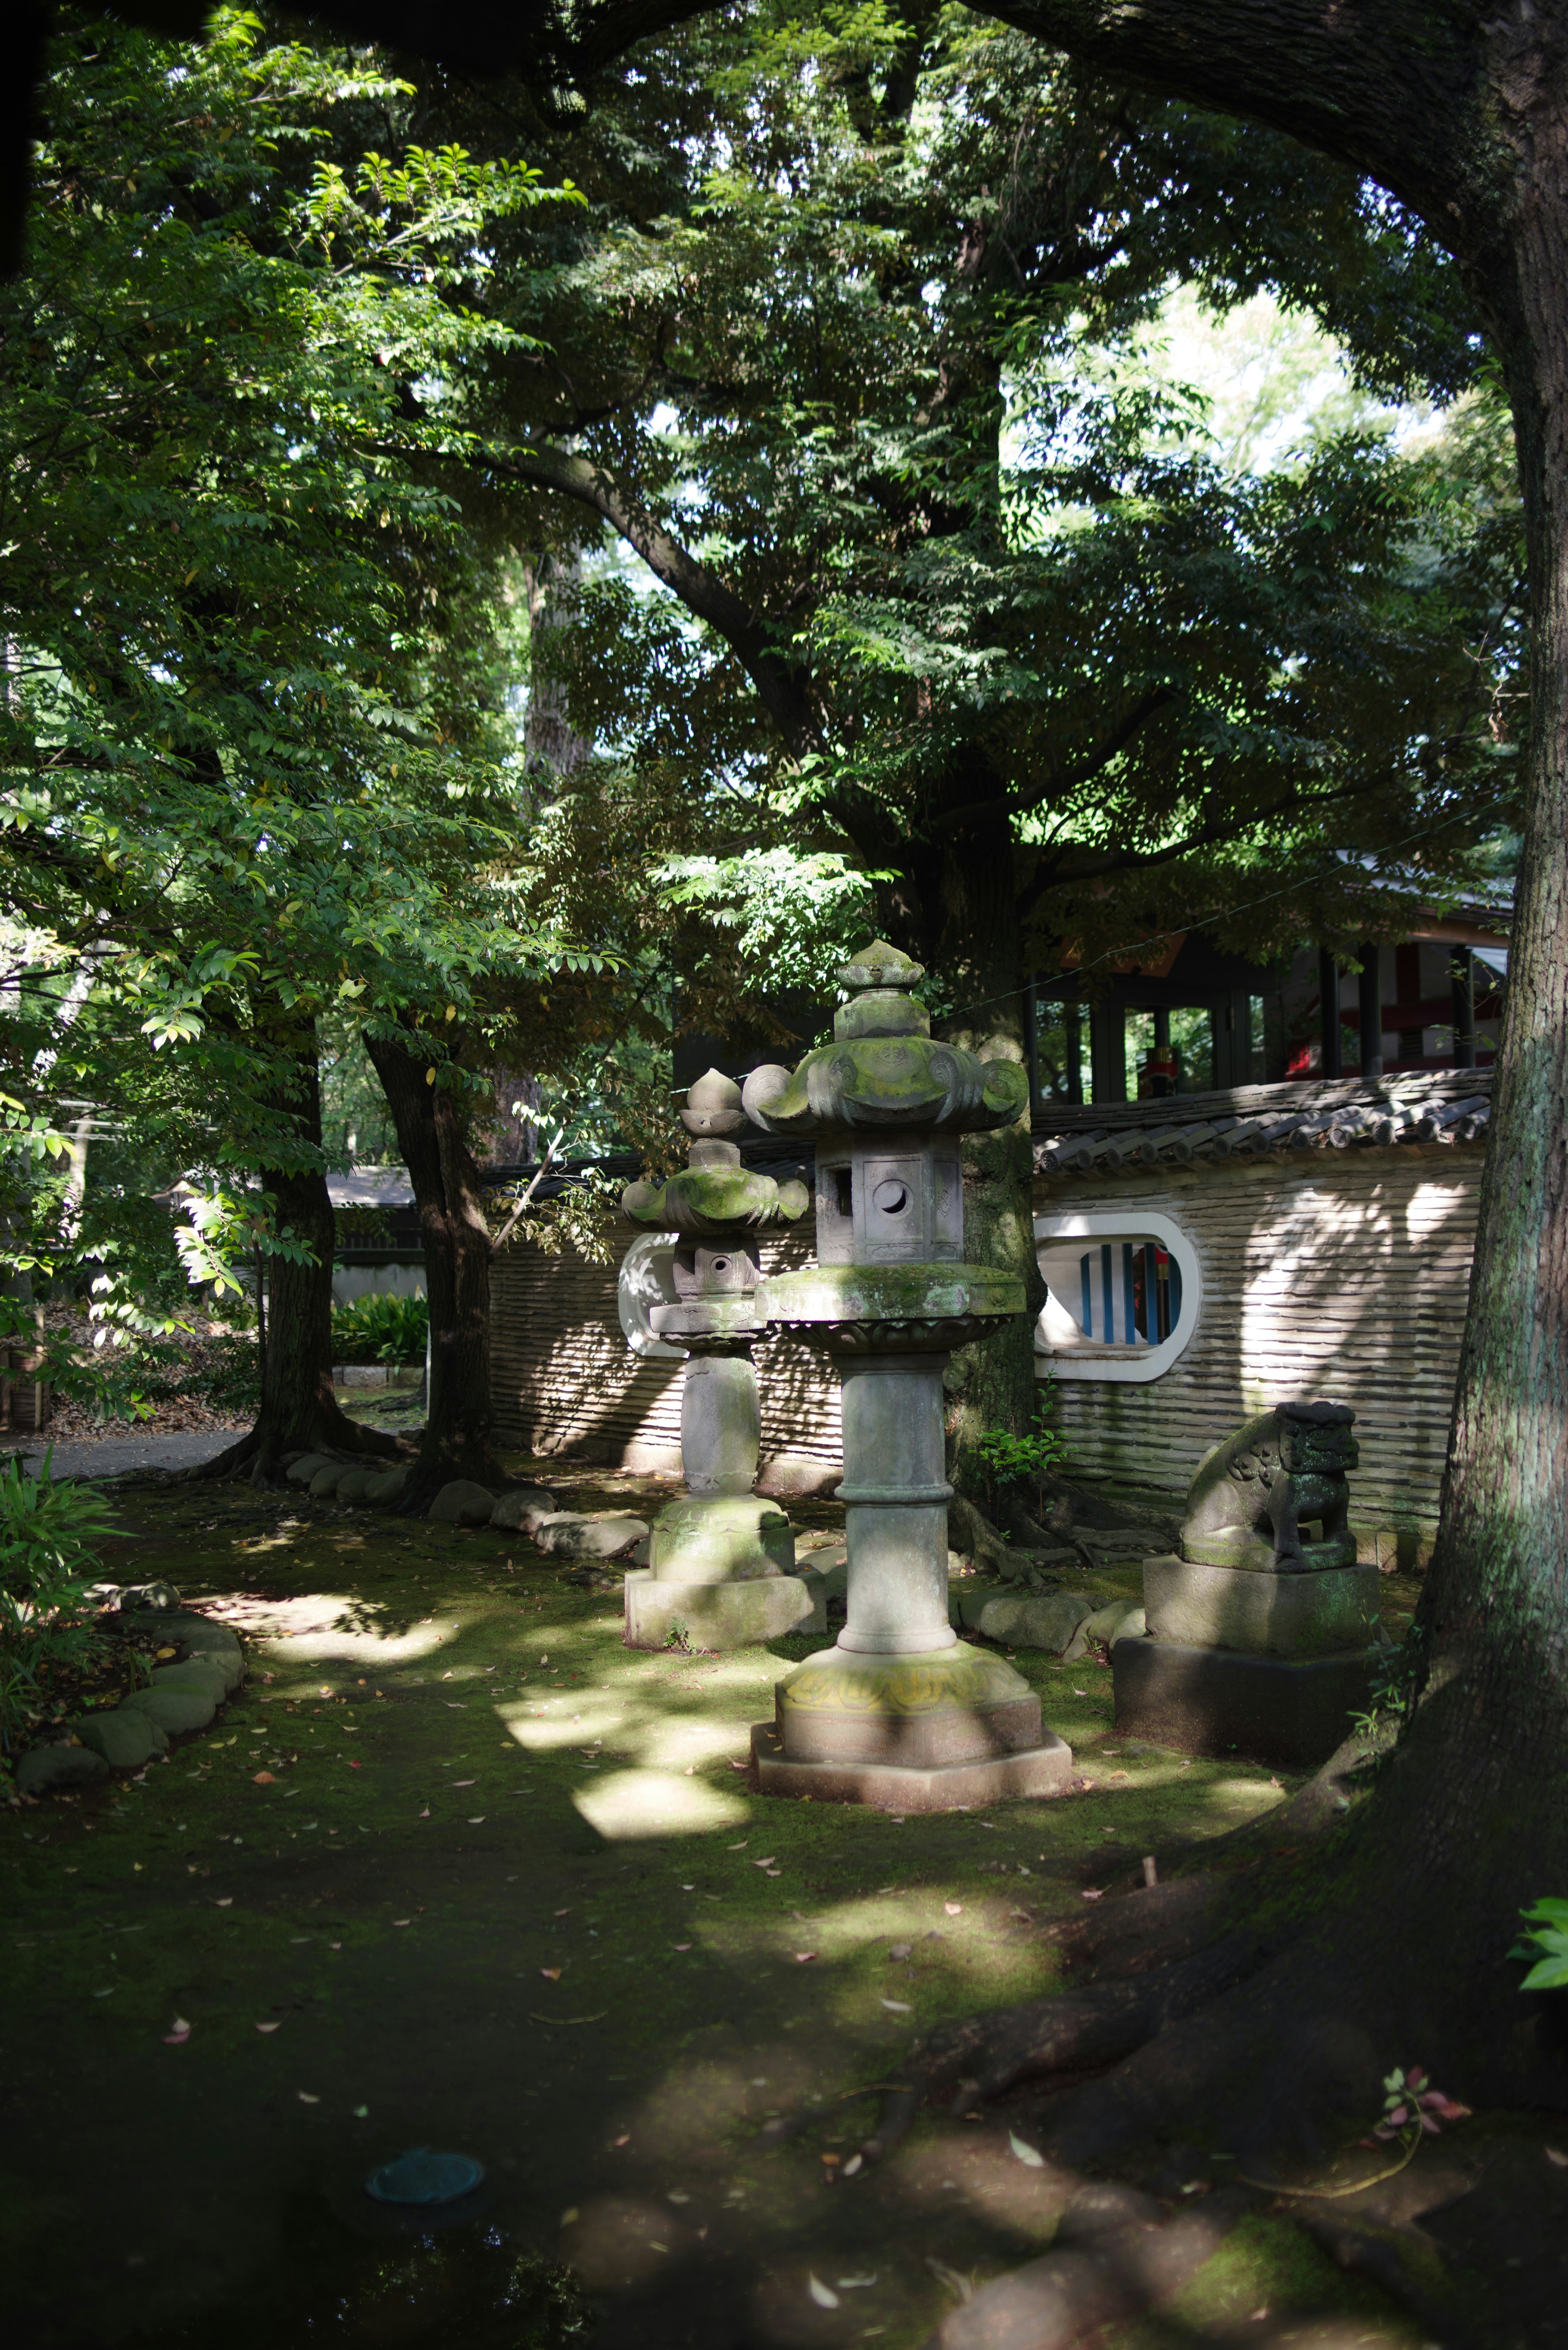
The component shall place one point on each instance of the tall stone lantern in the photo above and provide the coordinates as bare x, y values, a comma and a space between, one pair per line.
721, 1558
900, 1713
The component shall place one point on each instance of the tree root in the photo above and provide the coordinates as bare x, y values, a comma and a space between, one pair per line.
257, 1456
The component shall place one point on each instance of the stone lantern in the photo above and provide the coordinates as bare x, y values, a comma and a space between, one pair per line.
900, 1713
721, 1558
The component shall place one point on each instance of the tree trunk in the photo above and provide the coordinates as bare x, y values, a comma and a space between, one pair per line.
298, 1410
457, 1244
973, 922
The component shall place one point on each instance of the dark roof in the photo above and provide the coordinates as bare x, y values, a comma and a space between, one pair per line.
779, 1156
1441, 1106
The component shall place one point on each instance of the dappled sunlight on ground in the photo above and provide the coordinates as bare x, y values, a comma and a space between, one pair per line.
458, 1868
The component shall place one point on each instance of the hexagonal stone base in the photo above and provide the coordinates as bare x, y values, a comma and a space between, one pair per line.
719, 1614
958, 1704
1258, 1709
1033, 1772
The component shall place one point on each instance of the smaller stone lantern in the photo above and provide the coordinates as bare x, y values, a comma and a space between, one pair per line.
721, 1558
900, 1712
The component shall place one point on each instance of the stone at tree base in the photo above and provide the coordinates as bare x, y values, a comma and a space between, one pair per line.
327, 1479
1317, 1614
386, 1487
523, 1507
194, 1677
719, 1614
462, 1504
228, 1663
351, 1485
595, 1537
153, 1598
1049, 1622
301, 1471
175, 1711
1122, 1620
126, 1737
1283, 1711
50, 1770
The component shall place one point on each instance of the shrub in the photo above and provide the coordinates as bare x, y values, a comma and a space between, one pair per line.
381, 1328
1000, 1460
48, 1558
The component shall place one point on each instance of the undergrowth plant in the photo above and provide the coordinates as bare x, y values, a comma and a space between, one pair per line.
381, 1328
1001, 1460
1545, 1939
49, 1556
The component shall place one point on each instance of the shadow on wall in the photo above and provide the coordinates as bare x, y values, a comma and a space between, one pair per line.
568, 1383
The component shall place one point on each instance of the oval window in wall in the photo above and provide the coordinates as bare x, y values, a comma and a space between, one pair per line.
1122, 1294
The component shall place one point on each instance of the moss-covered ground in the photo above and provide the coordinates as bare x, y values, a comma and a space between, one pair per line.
458, 1869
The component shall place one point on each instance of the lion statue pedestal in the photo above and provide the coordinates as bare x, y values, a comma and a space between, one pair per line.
1262, 1636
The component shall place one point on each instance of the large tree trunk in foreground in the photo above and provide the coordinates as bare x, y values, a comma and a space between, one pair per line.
298, 1410
460, 1421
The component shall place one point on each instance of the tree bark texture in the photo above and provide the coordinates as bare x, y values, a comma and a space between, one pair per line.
457, 1244
299, 1412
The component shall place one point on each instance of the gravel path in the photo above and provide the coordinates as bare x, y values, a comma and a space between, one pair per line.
112, 1456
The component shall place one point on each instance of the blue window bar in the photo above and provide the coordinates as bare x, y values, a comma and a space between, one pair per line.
1150, 1293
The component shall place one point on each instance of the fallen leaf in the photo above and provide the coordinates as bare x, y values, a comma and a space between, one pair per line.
478, 1820
677, 2196
1551, 2154
354, 1766
403, 1922
897, 2007
361, 2113
263, 1779
1091, 1893
737, 1766
777, 1872
681, 1946
267, 2027
953, 1908
1080, 1692
823, 2294
738, 1847
227, 1902
305, 2098
857, 2284
179, 2035
655, 2246
465, 1783
850, 2167
567, 2217
563, 1913
625, 2138
551, 1974
803, 1957
833, 2161
1027, 2154
426, 1812
764, 1864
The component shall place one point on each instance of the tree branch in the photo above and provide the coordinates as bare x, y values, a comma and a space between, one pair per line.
1060, 779
702, 592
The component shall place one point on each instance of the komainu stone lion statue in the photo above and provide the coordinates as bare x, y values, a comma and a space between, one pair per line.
1247, 1504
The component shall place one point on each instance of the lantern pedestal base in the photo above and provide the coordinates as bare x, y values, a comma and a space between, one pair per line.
1029, 1773
721, 1615
917, 1732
